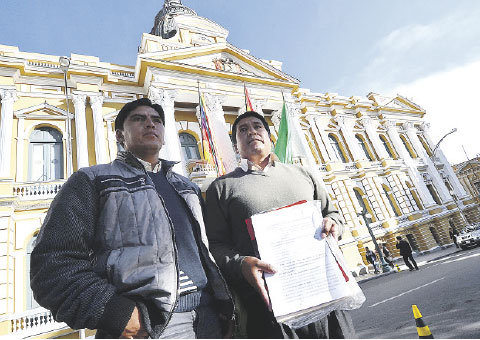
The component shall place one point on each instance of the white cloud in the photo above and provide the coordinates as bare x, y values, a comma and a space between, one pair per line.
451, 99
417, 50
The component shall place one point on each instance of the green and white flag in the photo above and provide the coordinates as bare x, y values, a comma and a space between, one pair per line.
283, 147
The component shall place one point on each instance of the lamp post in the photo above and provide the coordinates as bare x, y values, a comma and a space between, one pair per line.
64, 65
385, 267
441, 140
451, 191
458, 207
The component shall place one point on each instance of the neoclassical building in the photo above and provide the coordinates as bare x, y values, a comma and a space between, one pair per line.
468, 173
373, 153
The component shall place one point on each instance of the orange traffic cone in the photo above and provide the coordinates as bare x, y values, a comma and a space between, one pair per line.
422, 329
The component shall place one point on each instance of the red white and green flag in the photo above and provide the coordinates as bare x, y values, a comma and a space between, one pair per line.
283, 147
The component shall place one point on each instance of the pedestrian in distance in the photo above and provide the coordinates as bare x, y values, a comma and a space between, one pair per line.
123, 247
406, 253
372, 259
387, 255
262, 183
453, 235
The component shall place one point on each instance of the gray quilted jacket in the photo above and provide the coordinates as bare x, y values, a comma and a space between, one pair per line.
107, 245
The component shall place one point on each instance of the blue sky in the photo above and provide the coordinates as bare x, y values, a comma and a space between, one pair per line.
426, 50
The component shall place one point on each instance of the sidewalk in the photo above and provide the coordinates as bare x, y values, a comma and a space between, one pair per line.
421, 259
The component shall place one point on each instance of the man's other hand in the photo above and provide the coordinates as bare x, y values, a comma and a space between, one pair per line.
134, 328
252, 271
329, 227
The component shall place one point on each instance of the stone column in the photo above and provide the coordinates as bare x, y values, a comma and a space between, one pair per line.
112, 141
346, 125
79, 101
8, 97
415, 176
172, 149
374, 138
432, 170
321, 144
96, 103
392, 132
20, 144
220, 131
458, 189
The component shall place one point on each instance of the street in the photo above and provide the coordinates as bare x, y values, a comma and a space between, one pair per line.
446, 291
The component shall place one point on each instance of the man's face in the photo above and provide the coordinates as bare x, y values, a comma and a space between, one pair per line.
253, 141
143, 132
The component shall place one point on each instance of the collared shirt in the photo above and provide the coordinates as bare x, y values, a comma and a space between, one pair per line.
247, 165
148, 166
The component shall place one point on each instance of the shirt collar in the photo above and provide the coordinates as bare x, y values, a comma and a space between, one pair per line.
148, 166
247, 165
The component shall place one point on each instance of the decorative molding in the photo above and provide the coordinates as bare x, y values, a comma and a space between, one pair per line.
79, 99
8, 94
96, 100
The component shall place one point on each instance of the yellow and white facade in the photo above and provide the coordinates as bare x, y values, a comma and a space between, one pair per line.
468, 173
372, 152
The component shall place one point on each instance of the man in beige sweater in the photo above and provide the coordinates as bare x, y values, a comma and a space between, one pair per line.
259, 184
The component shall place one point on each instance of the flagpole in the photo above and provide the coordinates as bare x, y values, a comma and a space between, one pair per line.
245, 96
200, 109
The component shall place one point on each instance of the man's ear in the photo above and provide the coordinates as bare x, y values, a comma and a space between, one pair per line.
119, 136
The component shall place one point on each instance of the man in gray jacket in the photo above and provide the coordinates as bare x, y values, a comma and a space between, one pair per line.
262, 183
123, 248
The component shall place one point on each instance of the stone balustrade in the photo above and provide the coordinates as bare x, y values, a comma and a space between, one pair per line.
37, 190
350, 166
32, 323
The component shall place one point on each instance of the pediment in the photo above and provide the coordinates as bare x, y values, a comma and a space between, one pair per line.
224, 58
42, 111
398, 102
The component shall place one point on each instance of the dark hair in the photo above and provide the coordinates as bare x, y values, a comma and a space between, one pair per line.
246, 115
129, 107
399, 237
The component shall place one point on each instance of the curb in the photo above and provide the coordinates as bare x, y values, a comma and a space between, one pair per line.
376, 276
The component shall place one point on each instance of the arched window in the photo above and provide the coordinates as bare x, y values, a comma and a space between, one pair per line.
386, 146
407, 146
31, 303
45, 155
392, 202
336, 148
363, 146
189, 146
360, 200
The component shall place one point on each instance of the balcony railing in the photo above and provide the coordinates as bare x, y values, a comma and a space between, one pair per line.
350, 166
31, 323
37, 190
200, 168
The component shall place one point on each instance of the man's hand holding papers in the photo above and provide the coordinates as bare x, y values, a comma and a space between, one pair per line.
310, 278
252, 271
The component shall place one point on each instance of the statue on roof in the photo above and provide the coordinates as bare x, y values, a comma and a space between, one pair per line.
165, 25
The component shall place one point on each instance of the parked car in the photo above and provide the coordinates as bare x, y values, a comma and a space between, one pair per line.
469, 236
